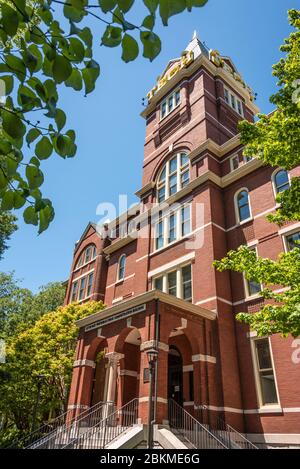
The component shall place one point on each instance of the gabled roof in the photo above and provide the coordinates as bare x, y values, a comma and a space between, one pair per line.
89, 225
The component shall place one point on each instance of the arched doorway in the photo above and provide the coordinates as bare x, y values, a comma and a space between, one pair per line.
98, 393
175, 375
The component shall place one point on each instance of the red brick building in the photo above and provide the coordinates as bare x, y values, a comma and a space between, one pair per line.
155, 273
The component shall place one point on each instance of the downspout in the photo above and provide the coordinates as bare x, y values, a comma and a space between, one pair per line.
156, 341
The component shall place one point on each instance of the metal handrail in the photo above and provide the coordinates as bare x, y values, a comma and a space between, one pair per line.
191, 429
58, 435
225, 432
109, 428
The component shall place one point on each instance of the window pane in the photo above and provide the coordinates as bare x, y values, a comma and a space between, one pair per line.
233, 101
170, 103
239, 106
173, 165
253, 287
293, 241
173, 184
177, 97
90, 284
281, 181
121, 271
172, 228
243, 205
163, 109
94, 252
158, 283
185, 178
187, 282
159, 235
235, 162
81, 289
226, 95
161, 194
263, 354
87, 254
184, 159
172, 287
268, 388
185, 220
163, 175
74, 291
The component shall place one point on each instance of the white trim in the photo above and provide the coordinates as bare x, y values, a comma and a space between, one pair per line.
203, 358
274, 438
131, 373
188, 403
170, 265
275, 193
82, 275
142, 258
212, 298
187, 368
84, 363
236, 207
291, 409
290, 229
121, 279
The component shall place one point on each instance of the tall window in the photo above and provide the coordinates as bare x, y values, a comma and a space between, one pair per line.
186, 273
243, 205
293, 241
233, 101
252, 286
281, 181
87, 255
89, 284
174, 176
265, 372
177, 282
74, 292
168, 104
121, 267
81, 289
173, 226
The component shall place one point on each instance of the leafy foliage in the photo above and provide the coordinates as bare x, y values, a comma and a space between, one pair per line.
46, 348
282, 313
37, 55
275, 138
7, 228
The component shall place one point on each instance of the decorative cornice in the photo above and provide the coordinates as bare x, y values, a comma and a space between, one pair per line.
121, 242
188, 72
144, 190
90, 363
146, 298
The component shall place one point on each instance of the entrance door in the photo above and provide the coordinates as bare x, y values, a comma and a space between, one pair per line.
175, 376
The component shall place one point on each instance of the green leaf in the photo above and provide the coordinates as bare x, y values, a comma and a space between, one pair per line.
86, 36
16, 66
74, 80
34, 176
64, 145
46, 215
149, 22
151, 5
19, 199
32, 135
10, 19
8, 200
11, 166
43, 148
107, 5
60, 119
3, 180
74, 14
151, 43
30, 216
61, 69
130, 48
12, 124
77, 49
112, 36
168, 8
125, 5
90, 75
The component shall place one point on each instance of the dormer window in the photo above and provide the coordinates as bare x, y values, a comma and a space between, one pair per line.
170, 103
174, 176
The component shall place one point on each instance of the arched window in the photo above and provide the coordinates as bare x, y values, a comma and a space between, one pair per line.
174, 176
280, 181
87, 255
243, 205
121, 267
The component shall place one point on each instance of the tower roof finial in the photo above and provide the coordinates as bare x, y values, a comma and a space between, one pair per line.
194, 35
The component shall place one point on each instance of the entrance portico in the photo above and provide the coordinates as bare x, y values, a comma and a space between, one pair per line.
112, 364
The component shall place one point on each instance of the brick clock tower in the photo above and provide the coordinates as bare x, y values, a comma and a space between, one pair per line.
200, 197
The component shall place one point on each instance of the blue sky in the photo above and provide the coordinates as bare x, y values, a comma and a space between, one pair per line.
110, 131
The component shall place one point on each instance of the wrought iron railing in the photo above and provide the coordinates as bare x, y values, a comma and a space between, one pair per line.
72, 428
224, 432
110, 427
198, 435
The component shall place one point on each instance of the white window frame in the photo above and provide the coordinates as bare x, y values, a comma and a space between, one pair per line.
273, 181
236, 99
88, 294
287, 234
164, 219
237, 212
179, 280
257, 375
166, 102
181, 169
119, 278
81, 258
